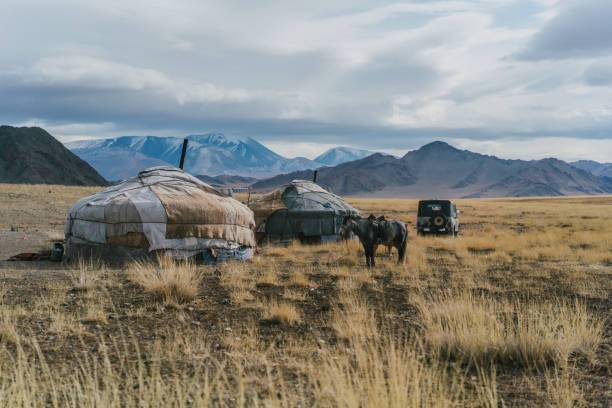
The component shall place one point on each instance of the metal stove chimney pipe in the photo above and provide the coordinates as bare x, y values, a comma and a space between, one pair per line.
183, 153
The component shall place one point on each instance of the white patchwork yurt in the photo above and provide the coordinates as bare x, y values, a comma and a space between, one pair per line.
163, 210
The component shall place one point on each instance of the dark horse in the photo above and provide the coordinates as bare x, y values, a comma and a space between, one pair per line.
372, 232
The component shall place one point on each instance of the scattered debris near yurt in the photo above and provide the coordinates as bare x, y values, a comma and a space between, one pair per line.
300, 210
162, 211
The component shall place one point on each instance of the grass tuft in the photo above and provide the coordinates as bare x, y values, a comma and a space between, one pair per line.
87, 276
354, 318
528, 333
167, 280
281, 312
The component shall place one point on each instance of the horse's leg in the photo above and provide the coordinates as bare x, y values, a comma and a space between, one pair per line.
373, 253
367, 253
400, 252
401, 248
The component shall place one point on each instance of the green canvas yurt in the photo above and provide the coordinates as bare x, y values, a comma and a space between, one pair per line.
300, 210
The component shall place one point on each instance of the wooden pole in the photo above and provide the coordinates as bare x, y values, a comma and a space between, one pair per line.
314, 178
249, 196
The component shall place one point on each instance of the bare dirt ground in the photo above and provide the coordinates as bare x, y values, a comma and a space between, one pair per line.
513, 312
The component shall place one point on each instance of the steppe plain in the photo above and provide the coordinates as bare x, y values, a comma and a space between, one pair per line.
514, 312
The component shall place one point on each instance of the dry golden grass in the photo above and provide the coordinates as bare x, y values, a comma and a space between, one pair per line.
282, 312
62, 324
87, 276
167, 280
353, 318
511, 313
526, 332
94, 313
291, 294
392, 374
562, 391
268, 276
8, 331
238, 281
557, 229
38, 206
348, 284
297, 277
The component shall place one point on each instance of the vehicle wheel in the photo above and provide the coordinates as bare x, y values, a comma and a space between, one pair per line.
438, 221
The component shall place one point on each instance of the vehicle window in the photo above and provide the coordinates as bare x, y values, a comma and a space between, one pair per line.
427, 209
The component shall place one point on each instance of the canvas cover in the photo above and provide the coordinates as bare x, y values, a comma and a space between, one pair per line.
161, 208
266, 205
300, 208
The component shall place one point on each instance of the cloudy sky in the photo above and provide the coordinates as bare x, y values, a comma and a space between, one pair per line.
515, 78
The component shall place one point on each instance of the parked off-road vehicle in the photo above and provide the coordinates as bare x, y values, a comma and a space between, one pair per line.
437, 217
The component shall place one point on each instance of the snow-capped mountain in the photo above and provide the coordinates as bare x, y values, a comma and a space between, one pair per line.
211, 154
343, 154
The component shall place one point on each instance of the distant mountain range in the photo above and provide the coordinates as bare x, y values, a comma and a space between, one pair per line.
209, 154
371, 174
440, 170
548, 177
593, 167
30, 155
339, 155
227, 181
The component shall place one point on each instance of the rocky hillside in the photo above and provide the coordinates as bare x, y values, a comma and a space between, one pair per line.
548, 177
31, 155
225, 180
369, 174
593, 167
440, 170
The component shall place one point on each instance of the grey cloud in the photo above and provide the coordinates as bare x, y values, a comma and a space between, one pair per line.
582, 29
281, 72
389, 75
599, 74
546, 84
